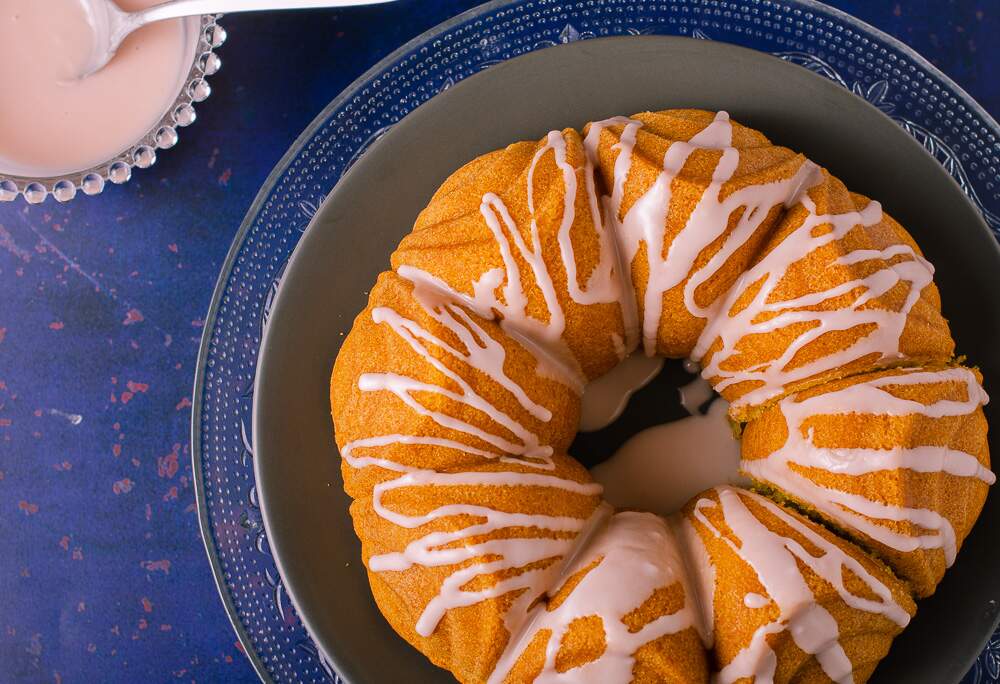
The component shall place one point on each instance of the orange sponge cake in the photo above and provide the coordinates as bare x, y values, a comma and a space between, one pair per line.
839, 288
898, 459
534, 249
691, 196
450, 439
789, 601
623, 612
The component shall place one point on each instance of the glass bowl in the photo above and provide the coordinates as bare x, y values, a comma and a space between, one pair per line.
142, 153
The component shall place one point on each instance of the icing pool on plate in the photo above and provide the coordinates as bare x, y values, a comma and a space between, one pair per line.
660, 468
51, 121
605, 398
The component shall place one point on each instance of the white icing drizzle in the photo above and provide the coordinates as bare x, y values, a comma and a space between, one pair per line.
730, 328
609, 213
633, 544
775, 559
637, 546
510, 553
856, 511
482, 351
513, 308
552, 363
699, 567
605, 398
649, 552
604, 285
645, 221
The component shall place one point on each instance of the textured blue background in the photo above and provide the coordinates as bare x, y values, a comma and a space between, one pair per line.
102, 571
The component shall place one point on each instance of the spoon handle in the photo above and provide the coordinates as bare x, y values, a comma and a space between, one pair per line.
186, 8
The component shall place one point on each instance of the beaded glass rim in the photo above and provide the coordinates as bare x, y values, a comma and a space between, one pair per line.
141, 154
872, 64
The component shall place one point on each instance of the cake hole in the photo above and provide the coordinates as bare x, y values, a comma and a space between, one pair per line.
654, 455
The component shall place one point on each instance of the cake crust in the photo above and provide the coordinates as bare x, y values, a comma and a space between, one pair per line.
535, 250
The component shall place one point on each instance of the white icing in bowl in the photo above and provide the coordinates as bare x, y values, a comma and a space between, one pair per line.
88, 132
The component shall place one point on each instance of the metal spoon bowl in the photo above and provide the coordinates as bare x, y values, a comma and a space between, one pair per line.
111, 24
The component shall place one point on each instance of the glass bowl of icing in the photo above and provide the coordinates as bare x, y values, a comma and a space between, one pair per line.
61, 135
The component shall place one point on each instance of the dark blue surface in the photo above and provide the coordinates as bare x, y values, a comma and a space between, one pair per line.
102, 573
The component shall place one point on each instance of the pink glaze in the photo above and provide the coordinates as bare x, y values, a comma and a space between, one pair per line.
52, 122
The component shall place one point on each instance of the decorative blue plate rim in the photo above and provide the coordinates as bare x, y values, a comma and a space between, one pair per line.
249, 585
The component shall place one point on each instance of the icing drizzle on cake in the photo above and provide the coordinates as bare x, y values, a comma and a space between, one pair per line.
766, 312
776, 559
487, 356
638, 546
645, 221
856, 511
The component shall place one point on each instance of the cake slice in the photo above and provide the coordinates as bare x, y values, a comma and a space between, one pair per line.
898, 459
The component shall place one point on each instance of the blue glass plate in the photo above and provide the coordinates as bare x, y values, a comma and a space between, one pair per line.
956, 130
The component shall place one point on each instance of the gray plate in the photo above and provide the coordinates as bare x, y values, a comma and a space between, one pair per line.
349, 241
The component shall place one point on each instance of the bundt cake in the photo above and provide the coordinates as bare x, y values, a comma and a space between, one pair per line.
536, 269
898, 459
788, 600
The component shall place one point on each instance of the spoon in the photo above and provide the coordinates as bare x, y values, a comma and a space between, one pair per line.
112, 24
